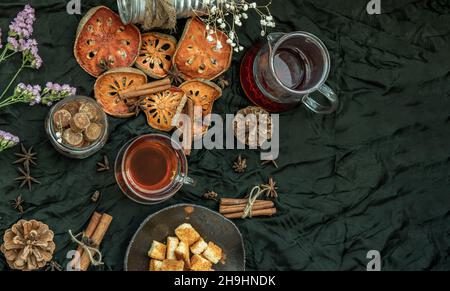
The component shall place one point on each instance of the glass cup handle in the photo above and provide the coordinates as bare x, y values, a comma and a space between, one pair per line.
318, 108
189, 181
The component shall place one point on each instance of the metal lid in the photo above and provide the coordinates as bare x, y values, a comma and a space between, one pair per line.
131, 11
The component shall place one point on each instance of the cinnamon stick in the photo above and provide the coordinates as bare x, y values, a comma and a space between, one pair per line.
232, 201
188, 138
256, 213
139, 93
150, 85
225, 209
93, 223
97, 238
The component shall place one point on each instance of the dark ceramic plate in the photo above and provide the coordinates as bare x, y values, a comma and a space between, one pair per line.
211, 226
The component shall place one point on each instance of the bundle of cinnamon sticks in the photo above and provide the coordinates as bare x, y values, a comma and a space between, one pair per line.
235, 208
146, 89
95, 232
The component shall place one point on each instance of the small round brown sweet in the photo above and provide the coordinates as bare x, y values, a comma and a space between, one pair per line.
79, 122
72, 107
61, 119
90, 110
93, 132
72, 138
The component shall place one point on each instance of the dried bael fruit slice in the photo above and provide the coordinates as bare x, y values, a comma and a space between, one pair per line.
111, 83
161, 108
203, 93
197, 57
103, 42
155, 57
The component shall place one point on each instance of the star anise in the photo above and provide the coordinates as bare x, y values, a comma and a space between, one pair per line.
210, 195
273, 162
134, 106
26, 157
270, 188
175, 76
26, 178
222, 82
53, 267
103, 166
240, 165
17, 204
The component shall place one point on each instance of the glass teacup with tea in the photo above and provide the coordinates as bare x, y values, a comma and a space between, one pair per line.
151, 169
289, 69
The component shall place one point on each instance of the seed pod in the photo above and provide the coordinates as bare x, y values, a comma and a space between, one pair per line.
61, 119
72, 138
79, 122
90, 110
93, 132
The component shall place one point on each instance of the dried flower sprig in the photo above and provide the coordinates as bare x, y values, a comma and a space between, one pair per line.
20, 31
7, 140
33, 94
228, 15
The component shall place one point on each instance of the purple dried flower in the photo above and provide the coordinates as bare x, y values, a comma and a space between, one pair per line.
7, 140
54, 92
22, 25
1, 38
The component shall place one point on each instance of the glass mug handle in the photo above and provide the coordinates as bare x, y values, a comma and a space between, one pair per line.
189, 181
318, 108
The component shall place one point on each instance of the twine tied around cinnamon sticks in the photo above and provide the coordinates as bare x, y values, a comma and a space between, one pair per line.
94, 254
251, 201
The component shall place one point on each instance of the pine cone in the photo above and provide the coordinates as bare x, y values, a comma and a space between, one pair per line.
253, 126
28, 245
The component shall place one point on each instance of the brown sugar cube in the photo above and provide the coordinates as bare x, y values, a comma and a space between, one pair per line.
187, 233
61, 119
90, 110
172, 244
199, 247
79, 122
172, 265
155, 265
93, 132
72, 138
213, 253
157, 251
182, 253
199, 263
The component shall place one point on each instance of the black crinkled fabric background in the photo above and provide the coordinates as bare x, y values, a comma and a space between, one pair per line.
373, 176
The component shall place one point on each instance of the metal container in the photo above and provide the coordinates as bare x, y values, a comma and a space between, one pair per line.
134, 11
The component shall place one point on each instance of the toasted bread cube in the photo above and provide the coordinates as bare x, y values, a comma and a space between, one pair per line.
155, 265
182, 253
157, 251
213, 253
199, 263
187, 233
172, 244
199, 247
172, 265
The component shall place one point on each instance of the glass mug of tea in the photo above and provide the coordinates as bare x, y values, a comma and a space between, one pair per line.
150, 169
285, 71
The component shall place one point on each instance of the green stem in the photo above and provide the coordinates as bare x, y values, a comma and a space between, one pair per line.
2, 56
12, 80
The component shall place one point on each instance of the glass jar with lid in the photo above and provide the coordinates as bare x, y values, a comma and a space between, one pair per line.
77, 127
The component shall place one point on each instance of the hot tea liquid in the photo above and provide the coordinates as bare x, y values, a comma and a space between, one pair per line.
150, 165
291, 67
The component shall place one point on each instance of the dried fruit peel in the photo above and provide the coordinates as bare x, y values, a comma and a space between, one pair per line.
196, 57
156, 54
203, 93
161, 108
110, 84
103, 42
